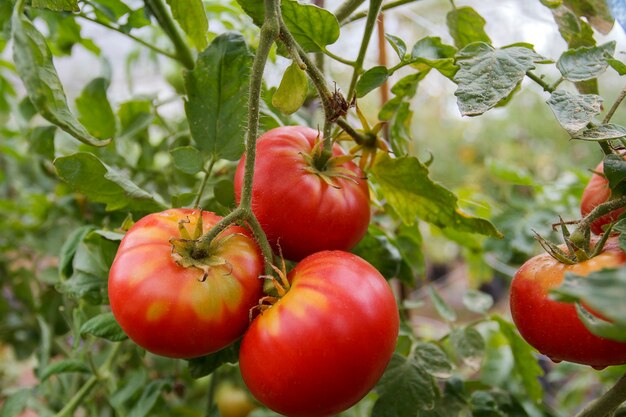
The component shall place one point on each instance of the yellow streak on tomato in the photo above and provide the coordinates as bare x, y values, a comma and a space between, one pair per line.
298, 303
157, 310
218, 292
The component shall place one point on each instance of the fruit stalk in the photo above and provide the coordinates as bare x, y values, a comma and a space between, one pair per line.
608, 402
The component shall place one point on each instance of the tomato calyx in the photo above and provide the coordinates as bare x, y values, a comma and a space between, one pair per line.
576, 249
188, 252
327, 167
370, 142
280, 286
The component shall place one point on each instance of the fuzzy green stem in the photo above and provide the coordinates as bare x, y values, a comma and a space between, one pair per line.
264, 245
358, 138
370, 24
205, 180
614, 107
577, 237
338, 58
84, 391
546, 87
130, 36
608, 402
159, 11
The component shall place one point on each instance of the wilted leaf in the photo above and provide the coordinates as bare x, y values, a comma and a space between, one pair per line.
292, 91
603, 132
586, 62
487, 75
574, 111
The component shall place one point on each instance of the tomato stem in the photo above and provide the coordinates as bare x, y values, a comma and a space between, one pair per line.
608, 402
577, 236
614, 107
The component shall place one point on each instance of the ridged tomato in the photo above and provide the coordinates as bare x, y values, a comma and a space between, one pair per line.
595, 193
301, 209
553, 327
323, 345
179, 311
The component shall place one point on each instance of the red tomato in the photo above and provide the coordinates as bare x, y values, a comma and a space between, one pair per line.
553, 327
171, 310
297, 209
323, 345
595, 193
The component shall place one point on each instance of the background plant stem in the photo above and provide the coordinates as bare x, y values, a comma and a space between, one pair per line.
608, 402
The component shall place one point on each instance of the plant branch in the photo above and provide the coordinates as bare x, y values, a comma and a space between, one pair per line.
338, 58
608, 402
133, 37
342, 123
546, 87
159, 11
346, 9
388, 6
614, 107
370, 24
577, 237
84, 391
205, 180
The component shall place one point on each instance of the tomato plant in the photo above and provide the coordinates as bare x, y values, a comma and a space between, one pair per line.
553, 327
321, 347
183, 311
596, 192
304, 208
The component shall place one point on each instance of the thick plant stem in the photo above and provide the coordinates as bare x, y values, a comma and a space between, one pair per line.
608, 402
158, 9
370, 24
577, 237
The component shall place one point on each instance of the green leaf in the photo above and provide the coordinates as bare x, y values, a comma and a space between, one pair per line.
86, 174
603, 132
313, 27
135, 118
433, 359
576, 32
430, 52
371, 79
585, 63
404, 182
16, 403
69, 248
187, 159
595, 11
191, 16
111, 9
615, 172
206, 365
42, 141
617, 65
487, 75
104, 326
468, 345
33, 61
526, 365
600, 327
57, 5
132, 385
94, 110
443, 309
466, 26
574, 111
64, 366
397, 44
477, 301
377, 249
90, 269
292, 90
217, 92
405, 388
149, 397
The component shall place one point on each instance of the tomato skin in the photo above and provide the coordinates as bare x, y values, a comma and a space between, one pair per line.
595, 193
170, 310
325, 344
299, 212
552, 327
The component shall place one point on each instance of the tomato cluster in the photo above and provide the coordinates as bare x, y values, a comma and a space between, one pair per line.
325, 339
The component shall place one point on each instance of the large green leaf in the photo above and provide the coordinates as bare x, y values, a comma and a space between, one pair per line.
466, 26
217, 93
585, 63
407, 188
94, 109
191, 16
33, 61
574, 111
86, 174
488, 76
312, 26
404, 389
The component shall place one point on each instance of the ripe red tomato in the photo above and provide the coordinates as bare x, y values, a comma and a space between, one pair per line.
297, 209
553, 327
595, 193
323, 345
174, 311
